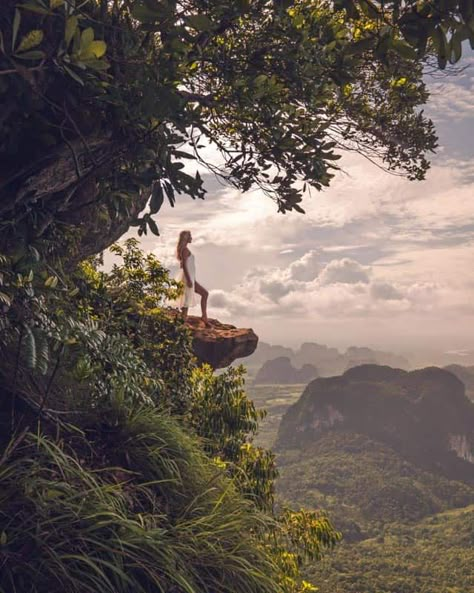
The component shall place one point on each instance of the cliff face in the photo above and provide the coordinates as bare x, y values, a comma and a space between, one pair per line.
464, 374
280, 371
424, 415
220, 344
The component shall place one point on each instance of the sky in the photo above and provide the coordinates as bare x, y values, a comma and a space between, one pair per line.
376, 261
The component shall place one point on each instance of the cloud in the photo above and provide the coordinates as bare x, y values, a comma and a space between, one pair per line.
451, 96
346, 271
343, 288
385, 292
307, 267
274, 289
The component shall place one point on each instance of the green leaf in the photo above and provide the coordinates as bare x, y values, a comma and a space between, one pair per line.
51, 282
153, 227
200, 22
16, 26
95, 50
369, 9
3, 538
55, 4
144, 14
99, 65
30, 348
349, 6
34, 54
170, 193
87, 37
5, 299
157, 198
455, 47
31, 40
71, 26
298, 209
35, 8
73, 75
98, 48
403, 49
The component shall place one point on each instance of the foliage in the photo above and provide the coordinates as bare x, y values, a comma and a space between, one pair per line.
139, 475
433, 555
437, 24
130, 300
375, 482
223, 415
67, 526
106, 101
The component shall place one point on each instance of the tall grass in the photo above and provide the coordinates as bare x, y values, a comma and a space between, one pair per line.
159, 519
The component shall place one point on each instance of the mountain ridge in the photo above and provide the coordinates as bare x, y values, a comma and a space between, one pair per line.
423, 414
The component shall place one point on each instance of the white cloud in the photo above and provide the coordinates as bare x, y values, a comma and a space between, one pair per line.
307, 267
344, 289
346, 271
385, 292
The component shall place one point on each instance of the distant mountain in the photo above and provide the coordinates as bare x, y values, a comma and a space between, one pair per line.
329, 361
463, 358
281, 371
464, 374
389, 455
423, 415
356, 355
266, 352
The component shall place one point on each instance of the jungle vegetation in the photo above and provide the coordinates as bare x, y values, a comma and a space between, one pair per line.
123, 466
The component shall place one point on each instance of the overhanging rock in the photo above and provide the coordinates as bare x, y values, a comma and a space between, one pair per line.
220, 344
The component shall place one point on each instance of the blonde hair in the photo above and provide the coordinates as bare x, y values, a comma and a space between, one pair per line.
182, 242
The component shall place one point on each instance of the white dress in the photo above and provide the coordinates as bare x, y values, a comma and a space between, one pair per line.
188, 298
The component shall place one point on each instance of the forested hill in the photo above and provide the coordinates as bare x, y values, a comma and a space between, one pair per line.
388, 454
424, 415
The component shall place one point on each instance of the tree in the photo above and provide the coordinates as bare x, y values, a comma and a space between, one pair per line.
106, 100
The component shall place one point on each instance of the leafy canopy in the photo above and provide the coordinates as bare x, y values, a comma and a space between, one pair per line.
105, 101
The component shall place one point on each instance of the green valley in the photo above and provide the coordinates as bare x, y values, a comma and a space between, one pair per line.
406, 528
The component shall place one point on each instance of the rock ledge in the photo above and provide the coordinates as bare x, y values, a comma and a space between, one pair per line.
220, 344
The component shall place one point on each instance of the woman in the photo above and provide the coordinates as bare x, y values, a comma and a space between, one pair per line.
187, 276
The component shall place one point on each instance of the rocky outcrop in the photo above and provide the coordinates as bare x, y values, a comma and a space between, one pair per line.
424, 415
281, 371
220, 344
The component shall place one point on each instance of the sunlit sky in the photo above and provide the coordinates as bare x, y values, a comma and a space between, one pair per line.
377, 260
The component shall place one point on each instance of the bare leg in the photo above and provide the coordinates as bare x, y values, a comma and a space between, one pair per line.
204, 295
